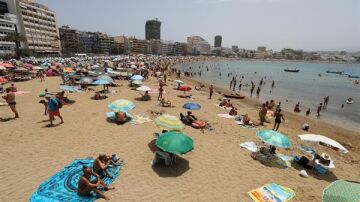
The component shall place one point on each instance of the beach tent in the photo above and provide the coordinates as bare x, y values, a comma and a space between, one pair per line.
342, 191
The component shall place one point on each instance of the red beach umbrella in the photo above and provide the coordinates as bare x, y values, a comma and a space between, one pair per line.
3, 80
185, 88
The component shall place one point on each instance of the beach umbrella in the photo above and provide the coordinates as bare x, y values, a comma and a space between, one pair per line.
274, 138
137, 82
192, 106
3, 80
106, 78
179, 81
121, 105
185, 88
37, 68
323, 140
68, 70
7, 65
29, 66
101, 82
95, 67
341, 190
2, 68
143, 88
169, 122
86, 80
45, 64
175, 142
69, 88
137, 77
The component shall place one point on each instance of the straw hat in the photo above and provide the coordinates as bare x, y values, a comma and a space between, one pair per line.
326, 157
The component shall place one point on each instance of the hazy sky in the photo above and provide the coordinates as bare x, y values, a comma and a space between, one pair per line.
300, 24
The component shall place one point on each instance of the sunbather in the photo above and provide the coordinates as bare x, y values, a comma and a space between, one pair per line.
190, 117
233, 111
246, 119
146, 96
165, 103
100, 166
98, 96
121, 117
86, 185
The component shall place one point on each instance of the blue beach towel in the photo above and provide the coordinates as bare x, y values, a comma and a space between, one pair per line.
63, 185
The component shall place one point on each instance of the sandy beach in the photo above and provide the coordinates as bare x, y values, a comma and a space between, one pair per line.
218, 169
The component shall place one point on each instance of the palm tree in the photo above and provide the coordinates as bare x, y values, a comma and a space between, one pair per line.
17, 38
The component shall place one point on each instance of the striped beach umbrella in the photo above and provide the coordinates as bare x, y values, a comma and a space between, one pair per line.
169, 122
274, 138
121, 105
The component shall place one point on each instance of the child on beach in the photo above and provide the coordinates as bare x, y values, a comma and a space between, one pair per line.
278, 116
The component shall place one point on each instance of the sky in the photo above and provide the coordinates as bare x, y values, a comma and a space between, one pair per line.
299, 24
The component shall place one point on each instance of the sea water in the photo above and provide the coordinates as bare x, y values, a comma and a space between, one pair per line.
307, 87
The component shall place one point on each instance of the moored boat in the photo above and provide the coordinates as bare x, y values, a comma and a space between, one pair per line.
292, 70
235, 96
353, 76
334, 72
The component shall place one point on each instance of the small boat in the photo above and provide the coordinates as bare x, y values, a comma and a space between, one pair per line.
353, 76
334, 72
292, 70
235, 96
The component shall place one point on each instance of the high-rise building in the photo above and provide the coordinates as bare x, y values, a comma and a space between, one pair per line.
218, 40
86, 42
37, 23
153, 29
8, 24
139, 46
197, 45
69, 40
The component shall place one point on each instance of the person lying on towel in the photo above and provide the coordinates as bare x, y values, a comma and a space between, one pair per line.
86, 185
121, 117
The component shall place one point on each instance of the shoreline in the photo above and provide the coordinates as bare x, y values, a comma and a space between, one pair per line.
250, 102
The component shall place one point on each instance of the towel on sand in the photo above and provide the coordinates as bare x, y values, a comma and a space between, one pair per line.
227, 116
139, 119
272, 193
63, 185
249, 146
242, 125
21, 92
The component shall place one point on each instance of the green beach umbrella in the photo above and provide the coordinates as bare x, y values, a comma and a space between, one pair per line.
342, 191
175, 142
274, 138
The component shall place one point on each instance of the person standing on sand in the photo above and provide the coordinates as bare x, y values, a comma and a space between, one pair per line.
326, 101
10, 100
234, 85
278, 116
319, 110
240, 86
211, 88
54, 106
262, 114
165, 77
273, 84
308, 112
161, 90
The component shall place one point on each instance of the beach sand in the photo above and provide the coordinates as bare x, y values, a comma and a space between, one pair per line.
216, 170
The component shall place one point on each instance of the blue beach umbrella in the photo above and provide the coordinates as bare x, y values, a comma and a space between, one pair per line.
101, 82
137, 77
106, 78
121, 105
192, 106
274, 138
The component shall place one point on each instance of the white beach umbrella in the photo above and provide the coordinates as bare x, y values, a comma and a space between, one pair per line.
2, 68
179, 81
324, 141
137, 82
143, 88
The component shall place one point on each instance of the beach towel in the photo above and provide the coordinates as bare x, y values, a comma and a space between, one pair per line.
249, 146
21, 92
272, 193
242, 125
284, 160
139, 119
63, 185
227, 116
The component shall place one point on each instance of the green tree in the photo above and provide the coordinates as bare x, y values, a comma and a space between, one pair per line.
17, 38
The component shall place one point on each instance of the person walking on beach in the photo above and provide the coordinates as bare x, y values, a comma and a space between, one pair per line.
240, 86
211, 88
54, 106
278, 116
273, 84
308, 112
319, 110
10, 100
326, 101
234, 85
231, 82
252, 90
161, 90
165, 77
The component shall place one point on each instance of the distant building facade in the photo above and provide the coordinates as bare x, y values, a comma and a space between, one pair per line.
218, 41
69, 40
8, 24
153, 29
198, 46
